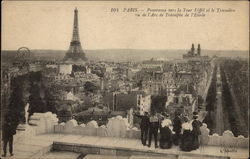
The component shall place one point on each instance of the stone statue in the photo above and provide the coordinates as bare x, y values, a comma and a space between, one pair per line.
130, 117
26, 113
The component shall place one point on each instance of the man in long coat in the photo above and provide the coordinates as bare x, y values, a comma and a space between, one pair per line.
8, 131
144, 127
153, 129
177, 128
196, 130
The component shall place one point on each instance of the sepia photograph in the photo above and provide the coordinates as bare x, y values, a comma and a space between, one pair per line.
124, 79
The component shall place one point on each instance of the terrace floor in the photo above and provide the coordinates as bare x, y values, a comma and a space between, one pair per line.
40, 146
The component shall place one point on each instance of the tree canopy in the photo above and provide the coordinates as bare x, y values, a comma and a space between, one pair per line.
90, 87
158, 103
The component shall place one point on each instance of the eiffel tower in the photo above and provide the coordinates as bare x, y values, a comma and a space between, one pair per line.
75, 53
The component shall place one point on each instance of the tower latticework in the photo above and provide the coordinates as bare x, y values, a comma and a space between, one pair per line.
75, 52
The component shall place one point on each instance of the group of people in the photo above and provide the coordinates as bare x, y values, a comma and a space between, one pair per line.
180, 131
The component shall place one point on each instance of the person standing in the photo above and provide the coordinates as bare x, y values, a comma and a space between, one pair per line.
177, 128
196, 132
165, 133
186, 139
144, 127
153, 129
7, 136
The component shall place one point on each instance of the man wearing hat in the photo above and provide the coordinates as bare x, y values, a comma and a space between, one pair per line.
153, 128
7, 136
144, 127
177, 127
196, 130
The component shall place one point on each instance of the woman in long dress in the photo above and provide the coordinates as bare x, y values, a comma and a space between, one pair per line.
165, 133
187, 137
196, 132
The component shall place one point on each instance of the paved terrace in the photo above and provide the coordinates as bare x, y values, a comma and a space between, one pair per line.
72, 146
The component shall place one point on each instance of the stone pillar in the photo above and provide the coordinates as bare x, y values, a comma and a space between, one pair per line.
130, 117
26, 113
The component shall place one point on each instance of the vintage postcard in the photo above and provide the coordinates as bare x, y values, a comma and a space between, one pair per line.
125, 79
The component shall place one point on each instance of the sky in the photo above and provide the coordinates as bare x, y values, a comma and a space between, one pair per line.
49, 25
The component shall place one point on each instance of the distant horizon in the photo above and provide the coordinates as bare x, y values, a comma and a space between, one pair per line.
126, 54
131, 54
126, 49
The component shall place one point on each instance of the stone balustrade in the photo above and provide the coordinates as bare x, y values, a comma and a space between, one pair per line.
116, 127
226, 140
119, 127
39, 123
